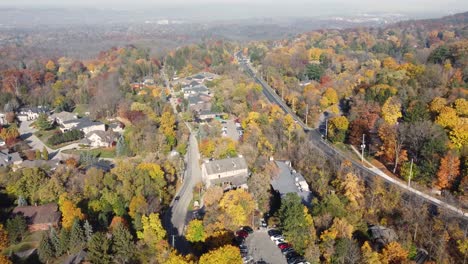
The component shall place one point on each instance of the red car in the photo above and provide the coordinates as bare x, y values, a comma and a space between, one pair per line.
284, 245
242, 233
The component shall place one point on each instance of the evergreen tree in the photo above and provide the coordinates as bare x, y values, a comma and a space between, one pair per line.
45, 154
64, 241
38, 154
121, 147
99, 249
16, 228
45, 250
21, 201
55, 242
123, 247
88, 230
76, 237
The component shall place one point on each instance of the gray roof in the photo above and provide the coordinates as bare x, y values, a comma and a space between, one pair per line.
52, 164
286, 182
7, 158
235, 180
35, 109
42, 214
63, 116
225, 165
86, 122
196, 89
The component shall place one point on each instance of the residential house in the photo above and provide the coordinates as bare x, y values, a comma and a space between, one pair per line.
117, 127
3, 120
86, 125
98, 138
199, 102
194, 90
62, 117
41, 217
289, 180
381, 235
31, 113
47, 164
231, 172
207, 114
8, 159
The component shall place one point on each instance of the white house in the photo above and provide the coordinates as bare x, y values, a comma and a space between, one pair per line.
225, 172
98, 139
62, 117
86, 125
3, 120
31, 113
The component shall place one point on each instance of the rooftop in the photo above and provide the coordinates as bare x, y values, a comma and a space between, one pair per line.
42, 214
63, 116
225, 165
7, 158
290, 181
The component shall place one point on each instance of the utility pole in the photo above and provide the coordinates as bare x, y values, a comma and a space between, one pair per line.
307, 113
410, 173
173, 241
363, 146
326, 128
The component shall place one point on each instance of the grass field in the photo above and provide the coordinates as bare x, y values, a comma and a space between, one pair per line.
100, 152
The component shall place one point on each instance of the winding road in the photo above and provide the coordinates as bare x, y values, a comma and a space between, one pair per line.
330, 151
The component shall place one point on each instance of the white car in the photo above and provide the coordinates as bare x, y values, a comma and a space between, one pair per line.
279, 241
276, 237
2, 143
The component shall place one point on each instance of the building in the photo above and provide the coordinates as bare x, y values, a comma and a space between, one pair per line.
31, 113
198, 89
7, 159
289, 180
3, 120
98, 138
62, 117
207, 114
86, 125
41, 217
117, 127
231, 172
199, 102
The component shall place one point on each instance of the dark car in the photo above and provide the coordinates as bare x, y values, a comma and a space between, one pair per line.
287, 250
284, 245
247, 229
177, 198
261, 262
292, 255
239, 240
242, 233
274, 232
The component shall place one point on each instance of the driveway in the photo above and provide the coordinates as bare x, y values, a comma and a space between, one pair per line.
262, 248
232, 132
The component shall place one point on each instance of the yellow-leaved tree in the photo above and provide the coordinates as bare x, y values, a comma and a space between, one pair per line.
237, 205
69, 212
394, 253
153, 231
391, 110
195, 231
223, 255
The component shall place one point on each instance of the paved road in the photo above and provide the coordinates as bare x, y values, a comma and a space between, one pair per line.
316, 138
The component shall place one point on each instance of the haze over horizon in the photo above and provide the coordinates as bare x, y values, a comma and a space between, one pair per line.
235, 9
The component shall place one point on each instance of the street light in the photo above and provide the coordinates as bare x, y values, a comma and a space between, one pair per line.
363, 146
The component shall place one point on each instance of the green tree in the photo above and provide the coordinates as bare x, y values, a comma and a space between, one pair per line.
38, 154
45, 249
195, 231
99, 249
296, 223
314, 71
64, 241
88, 230
16, 228
43, 123
55, 242
76, 237
123, 248
45, 154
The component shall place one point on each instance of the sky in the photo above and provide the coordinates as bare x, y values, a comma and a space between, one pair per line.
300, 8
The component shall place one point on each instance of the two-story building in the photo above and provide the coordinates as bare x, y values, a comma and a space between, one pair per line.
288, 180
228, 173
31, 113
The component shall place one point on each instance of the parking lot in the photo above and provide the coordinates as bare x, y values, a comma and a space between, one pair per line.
231, 130
262, 248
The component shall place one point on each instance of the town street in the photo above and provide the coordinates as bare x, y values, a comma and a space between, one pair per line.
175, 218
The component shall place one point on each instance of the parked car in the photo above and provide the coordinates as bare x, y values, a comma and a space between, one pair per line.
263, 223
239, 240
284, 245
276, 237
273, 232
279, 241
247, 229
247, 259
287, 250
242, 233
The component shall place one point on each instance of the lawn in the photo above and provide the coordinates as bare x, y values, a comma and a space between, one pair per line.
46, 134
29, 242
99, 152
